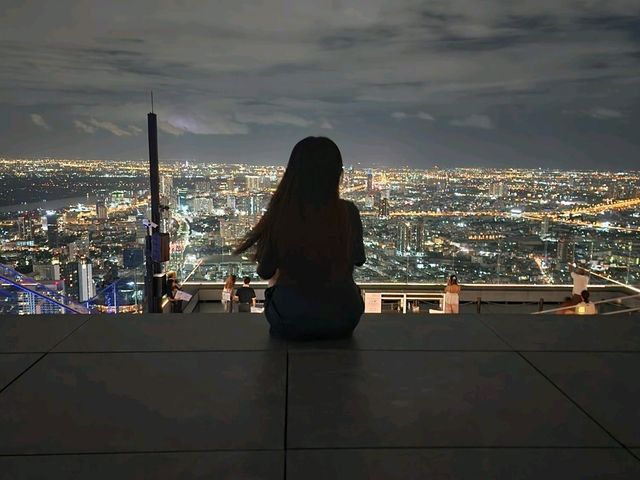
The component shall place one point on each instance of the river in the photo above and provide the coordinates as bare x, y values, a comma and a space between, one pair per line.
48, 204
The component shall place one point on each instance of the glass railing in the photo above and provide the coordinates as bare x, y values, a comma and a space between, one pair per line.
22, 295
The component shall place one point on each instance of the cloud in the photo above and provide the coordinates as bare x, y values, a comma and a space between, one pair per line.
135, 130
605, 113
326, 124
179, 124
473, 121
425, 116
419, 116
39, 120
83, 127
110, 127
366, 63
277, 118
168, 128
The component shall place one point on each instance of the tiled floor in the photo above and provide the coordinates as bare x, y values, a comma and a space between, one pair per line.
212, 396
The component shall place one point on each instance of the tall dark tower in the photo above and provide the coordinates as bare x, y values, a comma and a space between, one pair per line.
154, 279
52, 230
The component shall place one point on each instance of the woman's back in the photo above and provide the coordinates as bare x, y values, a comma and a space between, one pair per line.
303, 263
308, 242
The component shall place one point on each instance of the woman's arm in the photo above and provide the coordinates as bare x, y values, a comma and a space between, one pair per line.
358, 244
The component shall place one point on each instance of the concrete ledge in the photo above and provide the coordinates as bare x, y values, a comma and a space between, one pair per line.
213, 396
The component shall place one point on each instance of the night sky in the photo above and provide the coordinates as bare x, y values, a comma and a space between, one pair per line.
544, 83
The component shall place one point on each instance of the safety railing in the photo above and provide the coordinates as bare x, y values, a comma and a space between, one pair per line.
33, 295
600, 302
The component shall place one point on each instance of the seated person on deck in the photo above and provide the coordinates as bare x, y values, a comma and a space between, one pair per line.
307, 244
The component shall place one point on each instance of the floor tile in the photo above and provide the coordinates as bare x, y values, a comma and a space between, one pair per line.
133, 402
35, 333
172, 333
568, 332
231, 465
13, 364
414, 332
462, 464
606, 385
424, 399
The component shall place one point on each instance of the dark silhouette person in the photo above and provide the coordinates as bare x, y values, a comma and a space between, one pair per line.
307, 243
245, 296
172, 288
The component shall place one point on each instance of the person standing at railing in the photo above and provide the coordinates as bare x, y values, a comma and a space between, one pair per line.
452, 295
227, 292
245, 296
580, 278
309, 241
172, 289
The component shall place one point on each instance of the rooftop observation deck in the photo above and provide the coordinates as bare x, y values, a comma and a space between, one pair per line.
213, 396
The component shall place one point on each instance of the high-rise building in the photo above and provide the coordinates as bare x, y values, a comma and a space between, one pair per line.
565, 250
402, 239
86, 287
24, 228
253, 183
166, 191
52, 230
121, 197
182, 198
101, 211
545, 227
202, 205
419, 247
369, 201
498, 189
202, 186
253, 205
383, 209
231, 202
46, 271
70, 277
369, 181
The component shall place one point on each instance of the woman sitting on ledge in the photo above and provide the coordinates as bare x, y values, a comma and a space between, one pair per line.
307, 243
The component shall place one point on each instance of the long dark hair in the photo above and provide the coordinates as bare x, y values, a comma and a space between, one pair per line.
305, 224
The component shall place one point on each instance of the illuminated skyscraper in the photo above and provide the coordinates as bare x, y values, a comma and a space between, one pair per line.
86, 287
101, 211
419, 248
565, 251
402, 239
182, 198
167, 196
25, 227
545, 227
369, 181
253, 183
383, 209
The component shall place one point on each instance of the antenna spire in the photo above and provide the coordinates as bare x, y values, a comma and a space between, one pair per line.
151, 101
